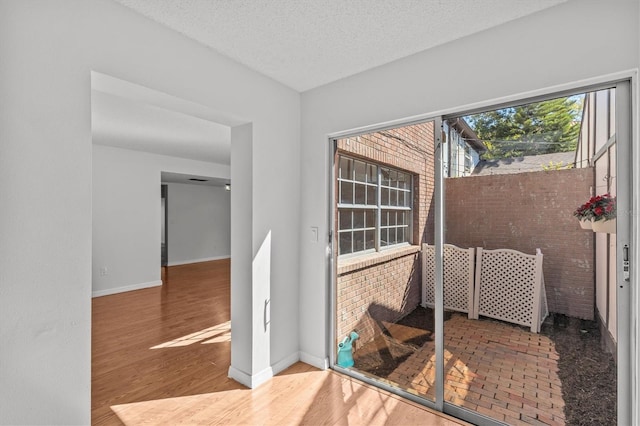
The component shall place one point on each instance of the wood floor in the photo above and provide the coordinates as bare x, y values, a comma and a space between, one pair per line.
160, 357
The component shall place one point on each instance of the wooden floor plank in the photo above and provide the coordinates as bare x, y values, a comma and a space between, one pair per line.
156, 361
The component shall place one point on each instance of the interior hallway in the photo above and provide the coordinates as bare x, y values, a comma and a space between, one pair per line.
161, 355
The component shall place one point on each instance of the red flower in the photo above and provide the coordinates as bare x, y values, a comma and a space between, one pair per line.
600, 207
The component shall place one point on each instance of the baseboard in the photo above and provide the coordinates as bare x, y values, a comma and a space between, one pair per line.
251, 382
321, 363
287, 362
257, 379
205, 259
122, 289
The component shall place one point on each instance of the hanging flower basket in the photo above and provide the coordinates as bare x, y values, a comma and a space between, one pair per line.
598, 214
608, 226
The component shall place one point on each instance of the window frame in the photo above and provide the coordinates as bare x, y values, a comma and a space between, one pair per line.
383, 185
468, 160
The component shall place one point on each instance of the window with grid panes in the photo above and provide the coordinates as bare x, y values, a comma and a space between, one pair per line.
374, 206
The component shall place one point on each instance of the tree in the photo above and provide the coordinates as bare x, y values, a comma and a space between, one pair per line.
532, 129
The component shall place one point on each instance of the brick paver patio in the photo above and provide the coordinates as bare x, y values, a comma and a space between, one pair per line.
496, 369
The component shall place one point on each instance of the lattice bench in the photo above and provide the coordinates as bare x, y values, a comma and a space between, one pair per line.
507, 285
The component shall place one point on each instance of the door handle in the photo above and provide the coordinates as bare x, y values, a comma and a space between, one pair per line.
625, 262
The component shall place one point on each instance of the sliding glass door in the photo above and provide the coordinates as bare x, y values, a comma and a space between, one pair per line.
462, 275
383, 210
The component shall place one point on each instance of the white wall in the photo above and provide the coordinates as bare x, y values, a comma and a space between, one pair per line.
127, 218
530, 54
199, 223
48, 50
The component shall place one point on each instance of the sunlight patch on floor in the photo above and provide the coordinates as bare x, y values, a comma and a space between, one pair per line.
216, 334
221, 338
180, 410
291, 398
284, 399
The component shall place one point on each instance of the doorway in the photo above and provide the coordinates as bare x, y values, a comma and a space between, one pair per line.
129, 225
437, 344
164, 223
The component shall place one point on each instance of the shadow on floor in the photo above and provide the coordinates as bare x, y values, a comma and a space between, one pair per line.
574, 378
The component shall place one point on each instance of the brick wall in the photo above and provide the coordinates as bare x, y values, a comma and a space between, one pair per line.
385, 286
385, 291
527, 211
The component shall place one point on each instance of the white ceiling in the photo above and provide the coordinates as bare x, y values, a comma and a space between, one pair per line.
130, 116
128, 124
307, 43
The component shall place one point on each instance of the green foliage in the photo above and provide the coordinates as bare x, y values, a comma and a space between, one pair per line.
556, 166
532, 129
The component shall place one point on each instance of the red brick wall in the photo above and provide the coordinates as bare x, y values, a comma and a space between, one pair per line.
408, 148
527, 211
386, 286
385, 291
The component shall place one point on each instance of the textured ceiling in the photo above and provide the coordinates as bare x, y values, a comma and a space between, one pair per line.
307, 43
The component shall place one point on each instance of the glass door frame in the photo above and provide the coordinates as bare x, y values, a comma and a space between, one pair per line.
625, 84
332, 267
438, 403
626, 243
624, 249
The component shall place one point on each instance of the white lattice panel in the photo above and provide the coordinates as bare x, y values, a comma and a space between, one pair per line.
544, 308
509, 287
458, 277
